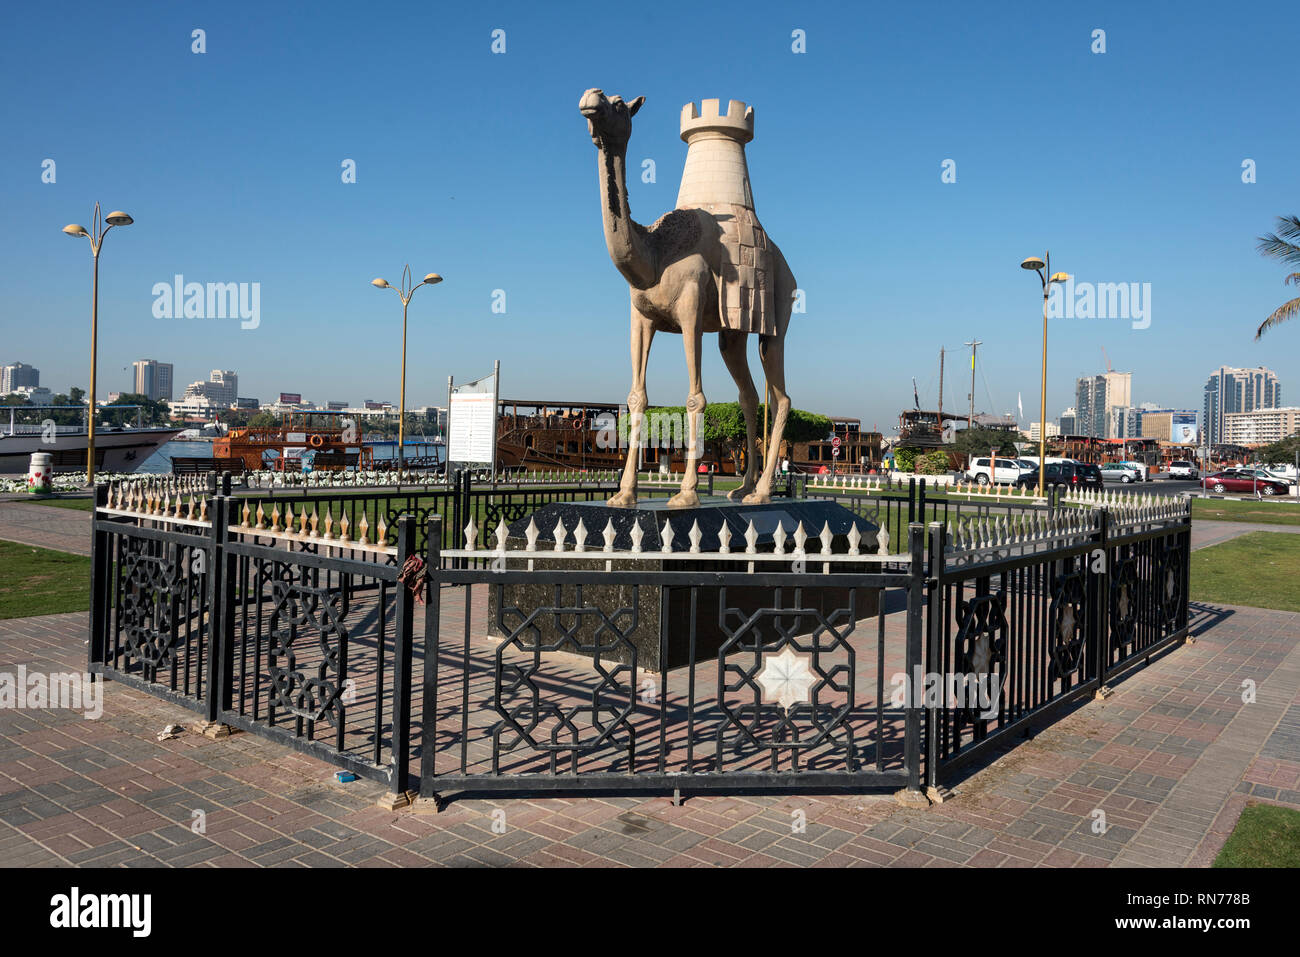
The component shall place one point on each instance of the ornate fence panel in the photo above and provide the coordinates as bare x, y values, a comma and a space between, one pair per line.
152, 620
1029, 615
276, 626
667, 671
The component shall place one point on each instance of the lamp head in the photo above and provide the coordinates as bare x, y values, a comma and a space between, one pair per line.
1033, 262
72, 229
1059, 277
433, 278
118, 218
379, 283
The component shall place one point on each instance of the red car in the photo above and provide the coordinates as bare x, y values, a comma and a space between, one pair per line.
1231, 481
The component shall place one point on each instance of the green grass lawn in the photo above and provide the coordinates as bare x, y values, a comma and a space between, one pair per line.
38, 581
1265, 836
1272, 513
1261, 569
81, 504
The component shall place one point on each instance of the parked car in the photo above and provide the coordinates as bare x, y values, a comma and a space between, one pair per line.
1249, 471
1183, 470
1073, 474
1003, 472
1230, 480
1119, 472
1144, 470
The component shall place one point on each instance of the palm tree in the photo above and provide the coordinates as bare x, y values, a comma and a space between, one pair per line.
1284, 244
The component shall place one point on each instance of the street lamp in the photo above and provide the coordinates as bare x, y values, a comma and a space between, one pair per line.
1045, 275
405, 293
115, 218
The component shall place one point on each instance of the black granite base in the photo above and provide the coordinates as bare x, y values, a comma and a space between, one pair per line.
640, 641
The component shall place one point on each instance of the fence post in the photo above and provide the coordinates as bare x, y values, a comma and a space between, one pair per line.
221, 651
935, 616
429, 676
1101, 617
402, 656
913, 795
100, 561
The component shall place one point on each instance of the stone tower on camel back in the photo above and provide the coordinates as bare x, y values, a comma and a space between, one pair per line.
716, 179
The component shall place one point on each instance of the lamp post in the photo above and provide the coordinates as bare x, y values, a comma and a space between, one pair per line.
405, 292
115, 218
1045, 275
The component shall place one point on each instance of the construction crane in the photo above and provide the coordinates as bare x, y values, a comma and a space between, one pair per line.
1109, 367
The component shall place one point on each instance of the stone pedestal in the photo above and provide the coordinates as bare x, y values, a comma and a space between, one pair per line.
718, 613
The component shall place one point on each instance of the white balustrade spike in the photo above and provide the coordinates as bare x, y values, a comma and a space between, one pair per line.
751, 539
695, 535
560, 533
778, 538
502, 533
724, 538
580, 537
827, 538
855, 538
609, 535
666, 538
530, 536
636, 535
471, 535
800, 538
882, 542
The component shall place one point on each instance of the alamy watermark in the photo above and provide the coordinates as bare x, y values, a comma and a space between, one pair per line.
214, 300
36, 689
1101, 300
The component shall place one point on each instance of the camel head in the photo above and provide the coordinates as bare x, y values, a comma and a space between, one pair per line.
609, 119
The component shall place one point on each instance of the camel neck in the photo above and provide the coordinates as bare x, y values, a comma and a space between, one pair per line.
624, 238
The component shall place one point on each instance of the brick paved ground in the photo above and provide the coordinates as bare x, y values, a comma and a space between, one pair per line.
1170, 758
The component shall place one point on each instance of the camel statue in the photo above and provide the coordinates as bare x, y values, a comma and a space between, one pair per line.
706, 266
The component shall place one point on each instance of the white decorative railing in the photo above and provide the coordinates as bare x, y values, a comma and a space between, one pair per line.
184, 501
744, 550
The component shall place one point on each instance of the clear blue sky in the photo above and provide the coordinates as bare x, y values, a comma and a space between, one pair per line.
1127, 165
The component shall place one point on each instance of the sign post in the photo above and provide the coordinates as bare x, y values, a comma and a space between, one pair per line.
472, 421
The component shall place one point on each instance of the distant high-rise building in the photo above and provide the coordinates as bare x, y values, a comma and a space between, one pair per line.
1095, 396
153, 379
1052, 431
17, 376
1067, 423
1230, 390
1124, 422
221, 389
1260, 426
1178, 426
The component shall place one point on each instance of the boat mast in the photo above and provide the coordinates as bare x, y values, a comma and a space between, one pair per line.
941, 387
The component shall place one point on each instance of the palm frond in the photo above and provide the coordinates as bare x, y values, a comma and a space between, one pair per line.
1279, 244
1288, 310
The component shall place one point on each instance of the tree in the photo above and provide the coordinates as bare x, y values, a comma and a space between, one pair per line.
1283, 452
978, 442
723, 428
1284, 245
263, 420
152, 412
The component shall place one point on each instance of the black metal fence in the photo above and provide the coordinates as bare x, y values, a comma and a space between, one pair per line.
385, 655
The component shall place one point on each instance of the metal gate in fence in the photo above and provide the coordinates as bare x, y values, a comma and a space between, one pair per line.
673, 680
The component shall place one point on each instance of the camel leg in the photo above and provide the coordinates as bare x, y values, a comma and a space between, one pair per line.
643, 332
691, 321
772, 353
733, 346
